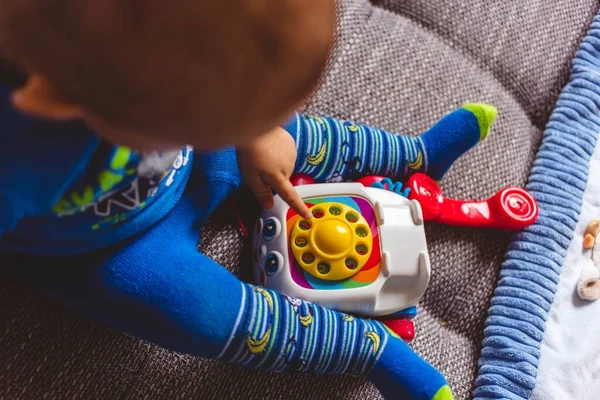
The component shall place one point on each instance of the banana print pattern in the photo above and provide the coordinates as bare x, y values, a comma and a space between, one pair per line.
348, 318
257, 346
317, 158
374, 337
320, 121
280, 333
353, 128
306, 320
417, 164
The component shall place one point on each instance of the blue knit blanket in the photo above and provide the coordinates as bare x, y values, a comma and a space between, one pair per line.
516, 330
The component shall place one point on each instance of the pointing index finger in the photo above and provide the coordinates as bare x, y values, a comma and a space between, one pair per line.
288, 193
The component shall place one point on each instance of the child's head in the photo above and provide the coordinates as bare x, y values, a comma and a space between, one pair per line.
151, 73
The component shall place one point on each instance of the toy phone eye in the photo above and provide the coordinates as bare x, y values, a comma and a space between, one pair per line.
272, 263
271, 229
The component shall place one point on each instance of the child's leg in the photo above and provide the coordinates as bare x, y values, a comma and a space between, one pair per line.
330, 149
160, 288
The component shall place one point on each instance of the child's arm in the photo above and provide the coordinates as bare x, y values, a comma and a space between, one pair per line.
266, 163
160, 288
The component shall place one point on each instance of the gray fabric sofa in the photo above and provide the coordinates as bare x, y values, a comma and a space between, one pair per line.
400, 65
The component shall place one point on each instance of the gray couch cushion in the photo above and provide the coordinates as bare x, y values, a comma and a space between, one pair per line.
402, 70
527, 45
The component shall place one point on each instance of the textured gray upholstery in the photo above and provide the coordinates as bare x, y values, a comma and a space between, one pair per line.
401, 66
526, 45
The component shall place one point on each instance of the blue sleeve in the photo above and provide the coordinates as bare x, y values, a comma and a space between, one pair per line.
38, 161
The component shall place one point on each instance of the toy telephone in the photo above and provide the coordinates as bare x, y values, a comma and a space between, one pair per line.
364, 251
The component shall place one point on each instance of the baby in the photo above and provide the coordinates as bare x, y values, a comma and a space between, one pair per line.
124, 124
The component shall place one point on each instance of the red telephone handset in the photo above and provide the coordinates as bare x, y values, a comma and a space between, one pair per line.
511, 208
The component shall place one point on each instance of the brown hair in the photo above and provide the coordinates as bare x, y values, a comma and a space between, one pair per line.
154, 65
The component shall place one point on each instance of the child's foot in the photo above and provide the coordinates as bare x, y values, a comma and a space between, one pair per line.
453, 136
401, 374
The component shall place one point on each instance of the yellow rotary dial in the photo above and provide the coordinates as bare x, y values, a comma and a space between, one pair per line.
335, 244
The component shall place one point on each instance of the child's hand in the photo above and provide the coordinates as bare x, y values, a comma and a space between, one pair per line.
266, 163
